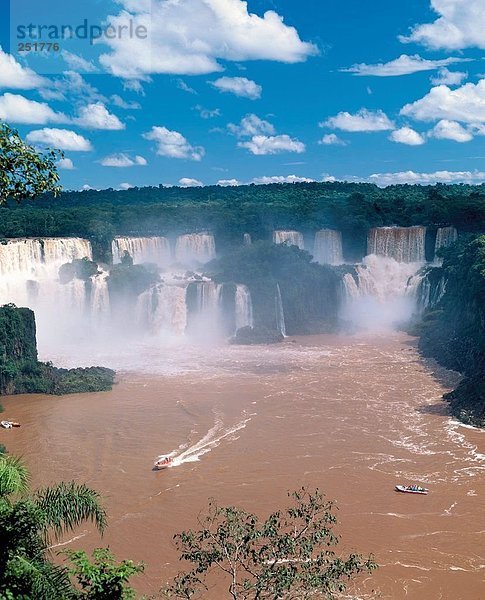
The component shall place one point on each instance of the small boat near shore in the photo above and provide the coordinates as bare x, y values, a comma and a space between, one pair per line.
9, 424
411, 489
162, 462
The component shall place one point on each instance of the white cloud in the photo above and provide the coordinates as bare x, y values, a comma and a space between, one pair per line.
14, 76
239, 86
363, 120
207, 113
281, 179
97, 116
125, 186
121, 103
466, 104
252, 125
189, 182
190, 36
262, 144
408, 136
78, 63
228, 182
173, 144
450, 130
63, 139
446, 77
122, 161
460, 24
18, 109
185, 87
72, 85
65, 163
411, 177
404, 65
332, 140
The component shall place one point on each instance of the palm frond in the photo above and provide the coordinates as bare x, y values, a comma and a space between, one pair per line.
45, 580
14, 476
67, 505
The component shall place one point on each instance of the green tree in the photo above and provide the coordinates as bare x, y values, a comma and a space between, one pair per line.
24, 172
28, 521
289, 555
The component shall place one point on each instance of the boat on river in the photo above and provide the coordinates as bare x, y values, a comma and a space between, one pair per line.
162, 462
411, 489
9, 424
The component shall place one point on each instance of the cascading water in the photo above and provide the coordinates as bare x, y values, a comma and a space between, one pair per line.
247, 241
291, 238
280, 314
445, 236
244, 307
195, 248
29, 277
327, 248
142, 250
162, 310
404, 244
385, 288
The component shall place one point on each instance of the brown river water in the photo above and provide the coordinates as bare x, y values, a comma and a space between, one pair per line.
353, 416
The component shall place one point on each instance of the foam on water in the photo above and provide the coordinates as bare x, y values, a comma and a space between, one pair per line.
209, 442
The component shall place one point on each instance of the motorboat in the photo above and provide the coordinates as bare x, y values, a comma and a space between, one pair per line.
162, 462
9, 424
411, 489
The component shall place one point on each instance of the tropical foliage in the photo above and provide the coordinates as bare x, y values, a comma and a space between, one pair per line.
288, 555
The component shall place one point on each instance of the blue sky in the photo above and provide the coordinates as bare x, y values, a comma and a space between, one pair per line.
275, 90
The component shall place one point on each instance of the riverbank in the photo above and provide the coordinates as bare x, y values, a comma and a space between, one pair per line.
353, 415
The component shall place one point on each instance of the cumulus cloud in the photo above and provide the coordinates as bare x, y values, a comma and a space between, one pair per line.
408, 136
65, 164
189, 182
450, 130
239, 86
63, 139
460, 24
189, 37
207, 113
228, 182
125, 186
385, 179
121, 103
78, 63
281, 179
404, 65
363, 120
465, 104
14, 76
447, 77
18, 109
332, 140
97, 116
71, 85
173, 144
252, 125
122, 161
275, 144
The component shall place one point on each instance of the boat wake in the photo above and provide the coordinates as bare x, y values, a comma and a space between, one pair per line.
211, 440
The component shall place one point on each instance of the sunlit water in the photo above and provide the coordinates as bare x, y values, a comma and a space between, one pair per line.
352, 415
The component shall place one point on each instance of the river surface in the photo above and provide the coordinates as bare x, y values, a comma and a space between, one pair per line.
353, 416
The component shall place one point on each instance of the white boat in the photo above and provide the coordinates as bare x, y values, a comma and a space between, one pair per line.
162, 462
9, 424
411, 489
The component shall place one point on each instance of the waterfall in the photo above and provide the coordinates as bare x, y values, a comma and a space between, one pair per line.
29, 277
99, 299
445, 236
244, 307
291, 238
162, 310
385, 292
247, 241
327, 249
404, 244
142, 250
430, 286
195, 247
280, 315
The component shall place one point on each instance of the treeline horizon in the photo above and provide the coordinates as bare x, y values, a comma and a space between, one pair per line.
229, 212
